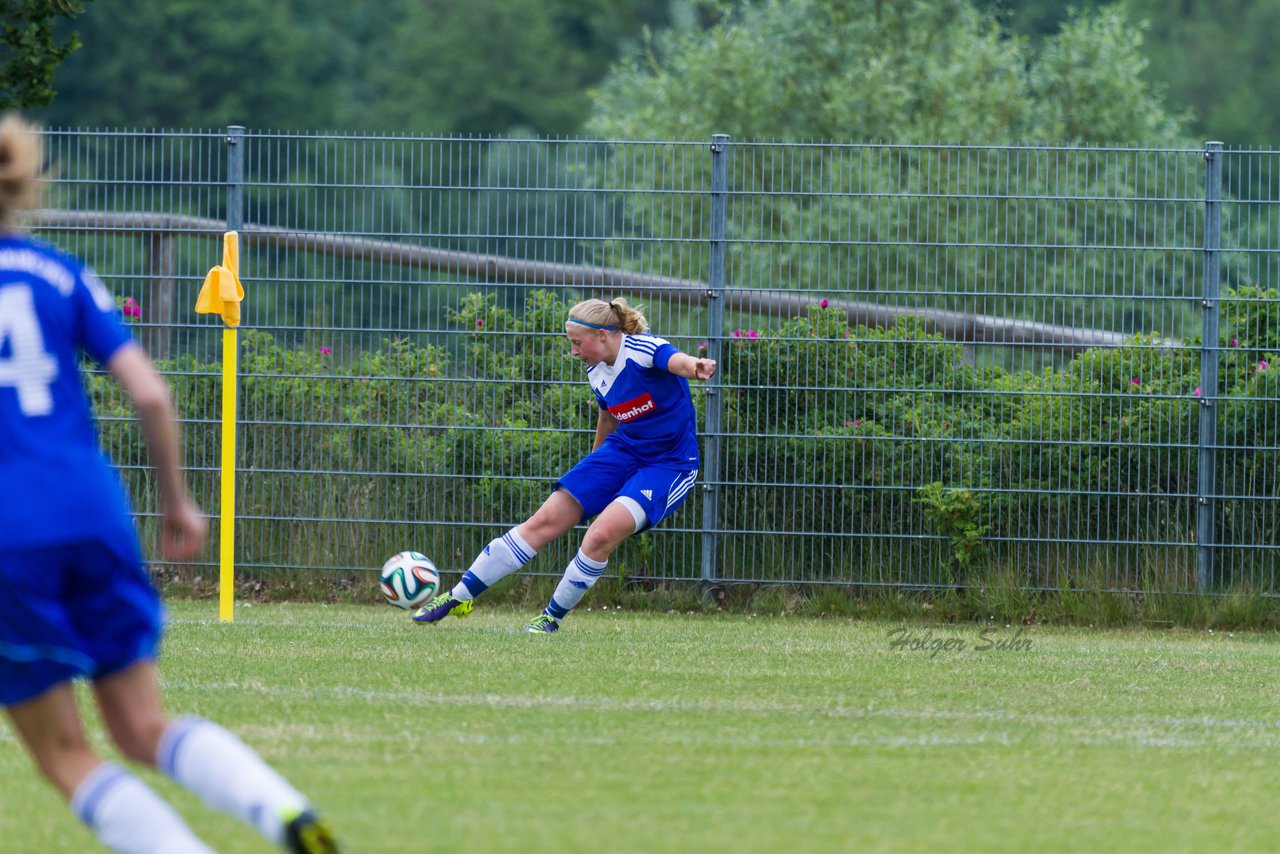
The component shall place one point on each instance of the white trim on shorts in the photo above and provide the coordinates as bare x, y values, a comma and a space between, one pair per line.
637, 512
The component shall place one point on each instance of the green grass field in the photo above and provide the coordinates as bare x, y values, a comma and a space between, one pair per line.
690, 733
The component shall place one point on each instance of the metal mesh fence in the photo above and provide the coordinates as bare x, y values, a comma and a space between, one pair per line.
937, 362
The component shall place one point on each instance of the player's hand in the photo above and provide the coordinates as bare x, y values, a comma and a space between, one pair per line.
704, 368
183, 529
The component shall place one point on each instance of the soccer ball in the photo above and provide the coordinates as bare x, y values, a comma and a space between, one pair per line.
409, 579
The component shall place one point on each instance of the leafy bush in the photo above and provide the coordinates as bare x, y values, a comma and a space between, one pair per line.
851, 455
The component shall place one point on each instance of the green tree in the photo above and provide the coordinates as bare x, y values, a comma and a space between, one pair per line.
941, 225
901, 70
1217, 57
1034, 18
495, 66
31, 51
185, 63
1091, 84
1213, 58
448, 67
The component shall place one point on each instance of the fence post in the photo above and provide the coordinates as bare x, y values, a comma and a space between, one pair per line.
162, 279
713, 443
235, 177
1206, 488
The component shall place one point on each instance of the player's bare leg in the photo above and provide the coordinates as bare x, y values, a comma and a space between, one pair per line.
50, 727
132, 712
555, 518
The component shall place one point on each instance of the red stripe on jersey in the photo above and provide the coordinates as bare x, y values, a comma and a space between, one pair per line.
637, 407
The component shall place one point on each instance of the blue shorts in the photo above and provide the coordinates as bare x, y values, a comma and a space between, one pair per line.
611, 472
85, 609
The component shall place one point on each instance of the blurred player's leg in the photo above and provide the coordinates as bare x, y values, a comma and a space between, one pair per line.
198, 754
230, 776
50, 727
129, 817
203, 757
131, 709
124, 813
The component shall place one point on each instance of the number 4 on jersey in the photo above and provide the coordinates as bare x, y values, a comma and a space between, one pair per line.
24, 363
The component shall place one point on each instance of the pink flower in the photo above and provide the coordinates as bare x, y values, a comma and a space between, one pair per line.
325, 351
703, 345
1135, 381
751, 333
853, 423
824, 304
479, 324
737, 333
1197, 392
131, 308
1262, 366
1235, 342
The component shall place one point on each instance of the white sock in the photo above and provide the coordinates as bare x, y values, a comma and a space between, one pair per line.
128, 816
228, 775
580, 575
499, 559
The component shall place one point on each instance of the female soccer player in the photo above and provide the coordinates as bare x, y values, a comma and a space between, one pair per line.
75, 599
642, 466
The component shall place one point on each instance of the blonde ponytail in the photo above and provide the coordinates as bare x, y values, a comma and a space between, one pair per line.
615, 315
21, 156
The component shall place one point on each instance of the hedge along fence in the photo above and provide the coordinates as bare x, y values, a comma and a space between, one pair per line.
852, 455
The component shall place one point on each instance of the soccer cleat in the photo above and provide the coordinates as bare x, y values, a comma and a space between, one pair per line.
307, 833
440, 607
543, 624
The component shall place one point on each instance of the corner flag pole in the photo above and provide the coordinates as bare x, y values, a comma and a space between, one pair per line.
222, 294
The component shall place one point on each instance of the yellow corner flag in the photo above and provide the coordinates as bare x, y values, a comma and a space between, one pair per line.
221, 294
222, 291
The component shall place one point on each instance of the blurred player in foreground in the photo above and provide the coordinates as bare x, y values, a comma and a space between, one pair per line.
75, 599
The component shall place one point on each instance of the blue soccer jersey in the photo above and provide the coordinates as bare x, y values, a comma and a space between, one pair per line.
56, 485
656, 419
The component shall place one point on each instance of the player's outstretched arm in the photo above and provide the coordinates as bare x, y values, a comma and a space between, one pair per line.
182, 525
684, 365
